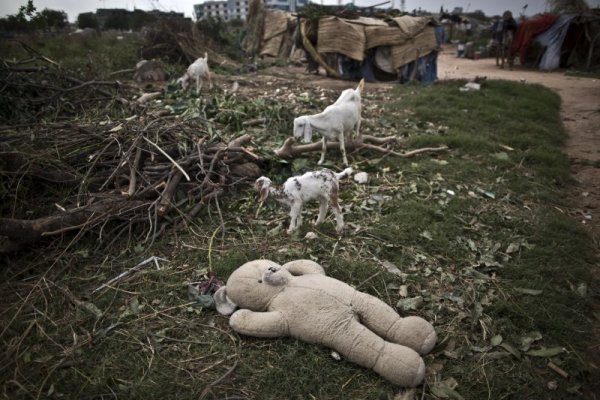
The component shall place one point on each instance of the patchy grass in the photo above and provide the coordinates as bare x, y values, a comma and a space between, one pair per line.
592, 72
483, 237
88, 56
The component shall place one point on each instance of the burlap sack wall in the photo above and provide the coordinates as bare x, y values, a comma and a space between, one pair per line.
419, 46
336, 35
275, 28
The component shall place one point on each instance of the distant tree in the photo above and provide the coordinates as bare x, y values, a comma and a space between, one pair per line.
87, 20
213, 28
27, 10
27, 19
21, 21
52, 19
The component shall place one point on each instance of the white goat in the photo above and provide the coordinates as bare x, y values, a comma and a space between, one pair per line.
322, 185
197, 71
334, 122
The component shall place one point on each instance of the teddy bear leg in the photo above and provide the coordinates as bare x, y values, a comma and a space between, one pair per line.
396, 363
413, 332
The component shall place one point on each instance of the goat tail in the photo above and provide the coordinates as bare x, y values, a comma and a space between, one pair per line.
206, 56
360, 86
347, 172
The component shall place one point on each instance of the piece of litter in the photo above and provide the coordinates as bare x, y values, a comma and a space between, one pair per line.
336, 356
469, 86
361, 177
310, 236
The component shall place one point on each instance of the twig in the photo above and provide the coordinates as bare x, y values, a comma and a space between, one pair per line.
558, 369
129, 271
168, 156
368, 279
167, 194
122, 71
211, 385
133, 168
210, 246
102, 91
255, 121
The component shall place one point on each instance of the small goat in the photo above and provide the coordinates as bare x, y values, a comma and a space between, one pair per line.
322, 185
334, 122
197, 71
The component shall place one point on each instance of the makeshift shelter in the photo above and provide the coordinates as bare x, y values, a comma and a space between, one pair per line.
403, 48
395, 48
552, 41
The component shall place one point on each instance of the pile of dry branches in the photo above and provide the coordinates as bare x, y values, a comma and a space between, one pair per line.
37, 87
142, 173
181, 43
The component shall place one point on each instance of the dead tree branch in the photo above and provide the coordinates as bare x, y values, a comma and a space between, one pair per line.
288, 150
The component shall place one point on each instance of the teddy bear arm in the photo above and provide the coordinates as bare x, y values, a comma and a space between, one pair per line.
382, 319
259, 324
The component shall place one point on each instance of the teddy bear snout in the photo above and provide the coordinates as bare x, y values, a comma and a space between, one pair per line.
273, 269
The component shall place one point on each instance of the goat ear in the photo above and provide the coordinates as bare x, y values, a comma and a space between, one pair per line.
223, 303
264, 193
307, 131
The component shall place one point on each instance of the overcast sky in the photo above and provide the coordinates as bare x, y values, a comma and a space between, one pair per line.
75, 7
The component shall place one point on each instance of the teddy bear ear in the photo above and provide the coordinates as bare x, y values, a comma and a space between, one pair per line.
223, 303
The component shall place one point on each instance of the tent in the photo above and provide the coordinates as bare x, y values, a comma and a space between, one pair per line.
555, 41
400, 48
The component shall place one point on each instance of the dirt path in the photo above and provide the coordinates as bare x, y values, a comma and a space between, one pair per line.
580, 114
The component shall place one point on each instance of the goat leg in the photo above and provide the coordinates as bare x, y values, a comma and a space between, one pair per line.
343, 147
323, 205
295, 212
323, 149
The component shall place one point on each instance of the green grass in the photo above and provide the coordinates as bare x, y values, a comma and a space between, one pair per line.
484, 233
592, 72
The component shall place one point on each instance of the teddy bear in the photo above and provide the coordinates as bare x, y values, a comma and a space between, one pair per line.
298, 300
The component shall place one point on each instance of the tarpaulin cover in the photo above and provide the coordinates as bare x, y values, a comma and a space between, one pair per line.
552, 39
527, 31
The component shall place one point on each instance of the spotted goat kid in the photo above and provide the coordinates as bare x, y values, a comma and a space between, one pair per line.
322, 185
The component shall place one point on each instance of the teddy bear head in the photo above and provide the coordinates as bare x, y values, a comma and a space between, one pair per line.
252, 286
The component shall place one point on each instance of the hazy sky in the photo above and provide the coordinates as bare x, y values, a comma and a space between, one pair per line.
75, 7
